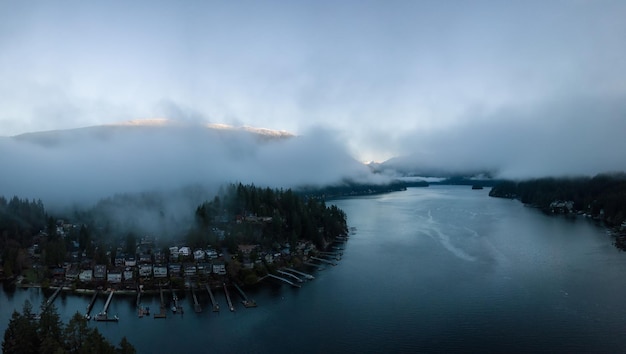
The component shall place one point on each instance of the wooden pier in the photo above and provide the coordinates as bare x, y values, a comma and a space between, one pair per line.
103, 316
196, 304
289, 275
51, 298
230, 303
305, 275
162, 313
246, 303
90, 306
324, 260
282, 279
216, 306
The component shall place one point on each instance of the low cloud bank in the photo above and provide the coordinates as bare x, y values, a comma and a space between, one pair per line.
82, 166
574, 136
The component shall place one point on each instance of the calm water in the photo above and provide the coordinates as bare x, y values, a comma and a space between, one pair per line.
435, 269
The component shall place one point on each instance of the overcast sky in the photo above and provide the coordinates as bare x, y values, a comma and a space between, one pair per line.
512, 85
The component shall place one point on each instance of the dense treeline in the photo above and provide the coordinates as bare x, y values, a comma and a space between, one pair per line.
350, 188
279, 216
603, 196
20, 221
27, 333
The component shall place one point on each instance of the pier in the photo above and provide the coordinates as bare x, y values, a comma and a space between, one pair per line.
216, 306
246, 303
313, 265
230, 303
282, 279
196, 304
161, 314
176, 306
289, 275
103, 316
138, 296
51, 298
90, 306
324, 260
305, 275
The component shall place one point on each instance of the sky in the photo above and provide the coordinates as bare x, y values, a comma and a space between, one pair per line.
526, 88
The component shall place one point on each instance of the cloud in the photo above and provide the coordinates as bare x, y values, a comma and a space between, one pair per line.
84, 165
580, 135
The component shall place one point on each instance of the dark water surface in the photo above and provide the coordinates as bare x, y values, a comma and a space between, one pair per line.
438, 269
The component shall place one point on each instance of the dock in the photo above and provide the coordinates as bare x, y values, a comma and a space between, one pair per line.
305, 275
196, 304
283, 280
324, 260
230, 303
90, 306
216, 306
103, 316
51, 298
138, 302
313, 265
162, 312
176, 306
246, 303
289, 275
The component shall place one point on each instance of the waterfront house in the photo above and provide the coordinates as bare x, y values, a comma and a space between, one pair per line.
184, 251
119, 259
160, 271
86, 275
204, 268
190, 269
174, 269
130, 261
174, 253
219, 268
145, 258
128, 274
114, 276
72, 273
198, 255
99, 271
211, 253
145, 270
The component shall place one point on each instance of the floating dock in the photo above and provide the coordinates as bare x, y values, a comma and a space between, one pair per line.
216, 306
90, 306
230, 303
246, 303
305, 275
324, 260
196, 304
289, 275
103, 316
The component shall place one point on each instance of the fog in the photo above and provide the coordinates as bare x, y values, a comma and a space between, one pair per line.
175, 165
563, 137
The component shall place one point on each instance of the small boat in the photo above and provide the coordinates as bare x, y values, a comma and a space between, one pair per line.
476, 186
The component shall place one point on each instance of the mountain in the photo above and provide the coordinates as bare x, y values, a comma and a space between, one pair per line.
148, 127
414, 166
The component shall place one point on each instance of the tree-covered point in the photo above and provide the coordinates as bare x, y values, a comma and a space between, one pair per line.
27, 333
603, 196
266, 216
